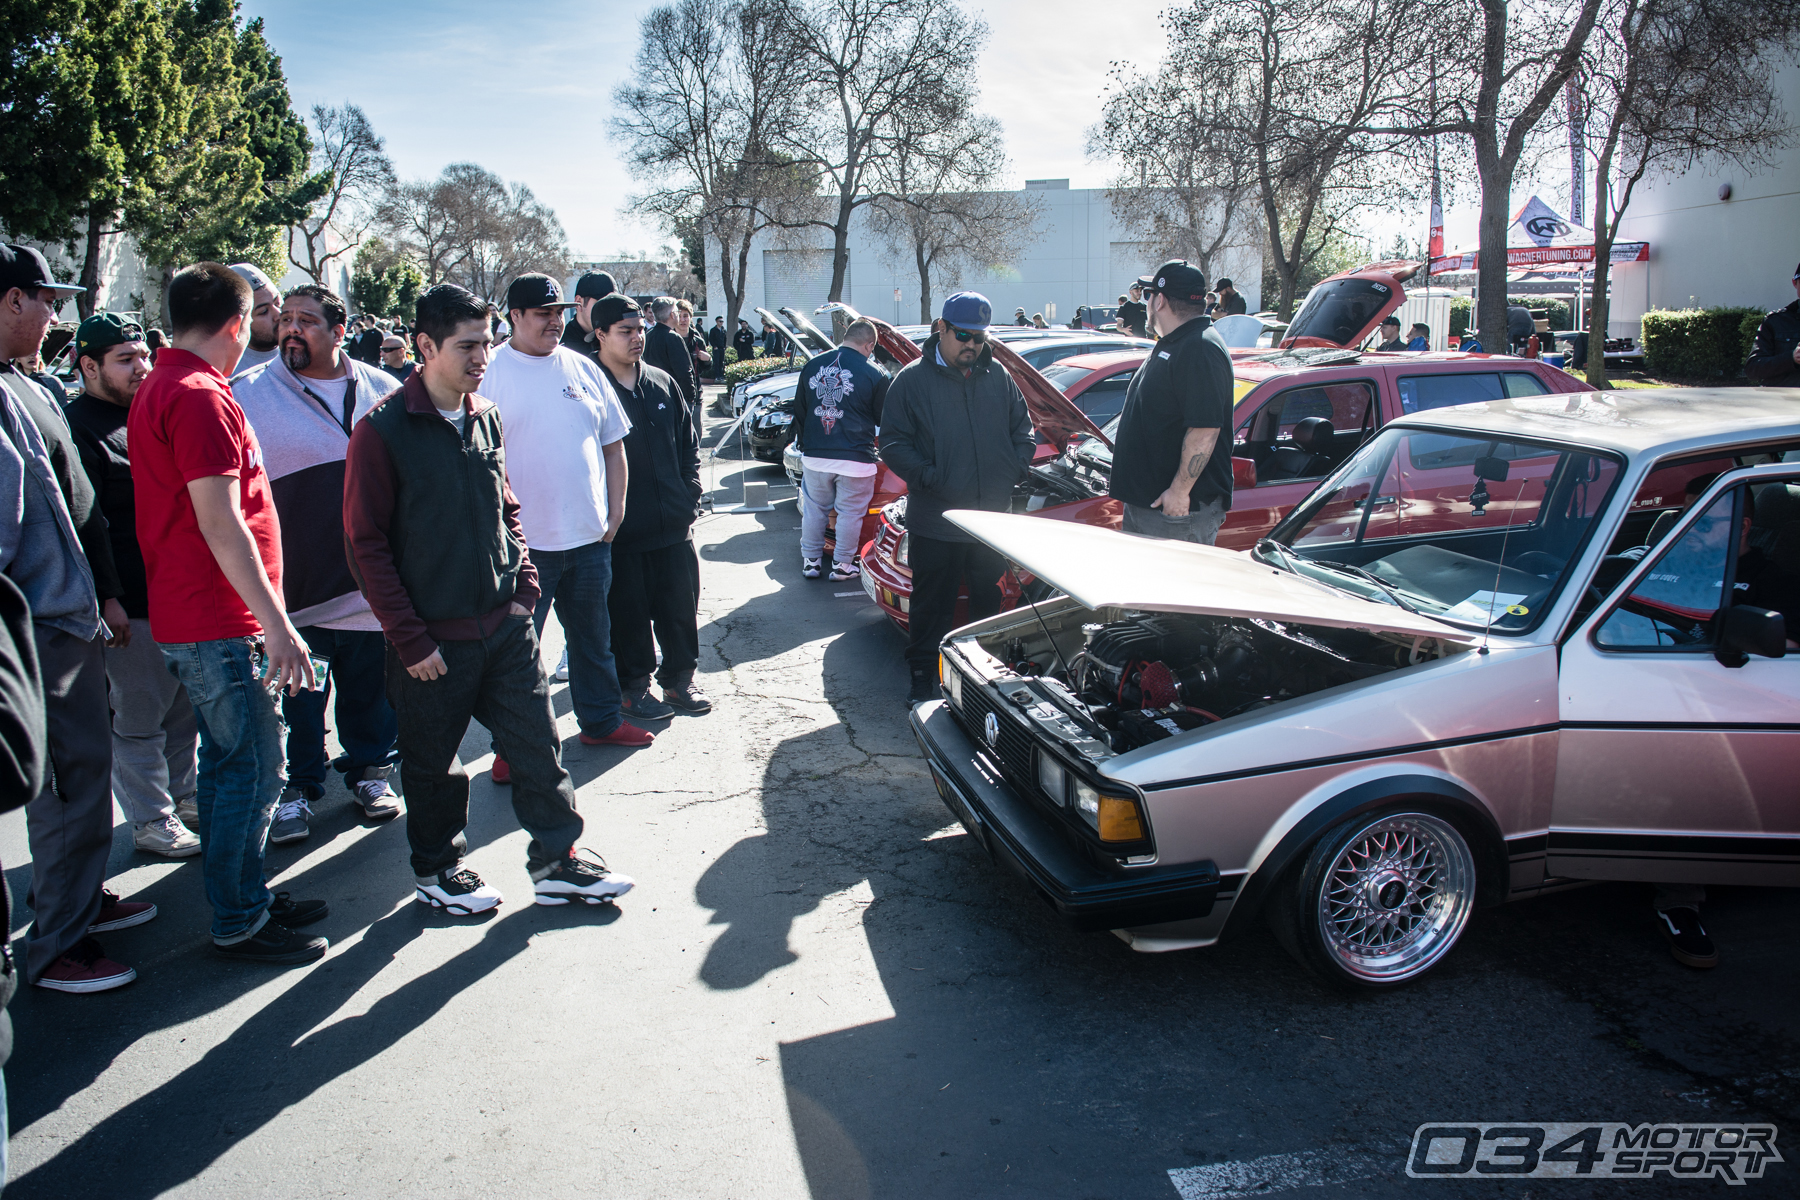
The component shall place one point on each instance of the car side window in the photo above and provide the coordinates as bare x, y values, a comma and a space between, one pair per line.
1421, 393
1672, 606
1266, 436
1523, 383
1105, 399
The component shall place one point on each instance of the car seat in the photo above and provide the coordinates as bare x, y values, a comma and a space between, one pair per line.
1309, 453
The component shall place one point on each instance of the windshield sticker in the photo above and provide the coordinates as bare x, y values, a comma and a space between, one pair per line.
1482, 606
1518, 610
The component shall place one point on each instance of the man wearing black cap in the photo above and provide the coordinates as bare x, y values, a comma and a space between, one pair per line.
1177, 408
955, 427
744, 341
592, 286
47, 550
1230, 302
155, 737
1775, 356
565, 453
655, 590
1390, 334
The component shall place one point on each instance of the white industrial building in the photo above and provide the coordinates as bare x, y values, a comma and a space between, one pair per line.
1080, 255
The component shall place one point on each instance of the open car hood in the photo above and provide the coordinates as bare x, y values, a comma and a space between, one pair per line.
1053, 414
803, 345
1347, 309
1101, 568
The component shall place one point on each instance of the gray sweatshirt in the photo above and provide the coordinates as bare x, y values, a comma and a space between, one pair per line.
38, 544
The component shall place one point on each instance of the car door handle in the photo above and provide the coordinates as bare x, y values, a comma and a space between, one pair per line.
1376, 502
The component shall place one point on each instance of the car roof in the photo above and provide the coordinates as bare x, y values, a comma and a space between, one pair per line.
1101, 360
1634, 421
1262, 363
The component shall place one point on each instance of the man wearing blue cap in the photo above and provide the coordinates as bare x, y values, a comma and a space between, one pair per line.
956, 429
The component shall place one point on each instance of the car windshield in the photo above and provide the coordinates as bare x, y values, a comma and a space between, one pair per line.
1063, 378
1475, 530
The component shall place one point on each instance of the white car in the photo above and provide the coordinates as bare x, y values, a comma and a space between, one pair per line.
1496, 652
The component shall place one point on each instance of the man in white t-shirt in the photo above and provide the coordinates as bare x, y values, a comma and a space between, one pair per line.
565, 459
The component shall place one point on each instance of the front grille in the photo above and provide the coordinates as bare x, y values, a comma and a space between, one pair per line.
1012, 750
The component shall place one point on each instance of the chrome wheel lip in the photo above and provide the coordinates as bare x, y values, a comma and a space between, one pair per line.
1395, 898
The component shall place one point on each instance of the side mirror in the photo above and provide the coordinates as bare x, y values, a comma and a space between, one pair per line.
1743, 631
1243, 473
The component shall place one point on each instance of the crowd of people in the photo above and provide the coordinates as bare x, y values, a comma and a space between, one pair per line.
224, 540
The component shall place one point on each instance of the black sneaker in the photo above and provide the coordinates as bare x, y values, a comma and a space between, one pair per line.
586, 879
687, 697
924, 688
295, 913
276, 945
645, 707
1688, 940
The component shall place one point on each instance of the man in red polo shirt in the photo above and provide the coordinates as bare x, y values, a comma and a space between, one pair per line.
212, 556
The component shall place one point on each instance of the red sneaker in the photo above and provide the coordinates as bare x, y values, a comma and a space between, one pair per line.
120, 914
501, 772
85, 969
626, 734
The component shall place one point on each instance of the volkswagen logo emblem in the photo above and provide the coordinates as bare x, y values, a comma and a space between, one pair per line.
991, 727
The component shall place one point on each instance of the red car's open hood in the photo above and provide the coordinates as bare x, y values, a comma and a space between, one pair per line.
1053, 415
1346, 309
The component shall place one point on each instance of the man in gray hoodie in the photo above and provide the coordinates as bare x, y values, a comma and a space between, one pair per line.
303, 405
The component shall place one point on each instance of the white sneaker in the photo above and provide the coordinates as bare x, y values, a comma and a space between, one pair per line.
562, 668
842, 572
582, 876
810, 567
167, 837
460, 891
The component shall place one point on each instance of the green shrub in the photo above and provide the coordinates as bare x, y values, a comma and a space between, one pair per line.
1698, 343
1752, 322
737, 372
1555, 311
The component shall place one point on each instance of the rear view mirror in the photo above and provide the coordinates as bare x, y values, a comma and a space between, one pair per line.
1491, 469
1743, 631
1243, 474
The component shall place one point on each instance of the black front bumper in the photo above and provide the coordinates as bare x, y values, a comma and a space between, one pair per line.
1013, 831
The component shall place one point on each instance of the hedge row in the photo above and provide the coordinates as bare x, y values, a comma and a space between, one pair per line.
1556, 311
1699, 343
737, 372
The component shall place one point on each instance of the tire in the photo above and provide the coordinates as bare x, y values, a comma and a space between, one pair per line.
1380, 900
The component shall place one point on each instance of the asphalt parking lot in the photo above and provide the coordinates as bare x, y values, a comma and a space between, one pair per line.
822, 988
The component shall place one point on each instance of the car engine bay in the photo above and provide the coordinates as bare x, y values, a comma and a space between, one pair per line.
1121, 679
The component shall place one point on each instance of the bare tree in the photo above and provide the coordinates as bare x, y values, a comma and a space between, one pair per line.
470, 227
1680, 82
346, 146
941, 212
418, 220
878, 72
713, 79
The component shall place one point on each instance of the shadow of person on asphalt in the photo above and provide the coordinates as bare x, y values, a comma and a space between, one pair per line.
272, 1062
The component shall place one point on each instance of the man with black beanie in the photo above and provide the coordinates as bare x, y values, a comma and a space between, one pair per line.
656, 573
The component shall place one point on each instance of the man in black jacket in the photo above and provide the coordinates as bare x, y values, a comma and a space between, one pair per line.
667, 351
744, 341
656, 573
715, 337
1132, 313
1775, 357
956, 429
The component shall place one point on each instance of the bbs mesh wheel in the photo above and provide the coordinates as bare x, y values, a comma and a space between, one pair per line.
1380, 900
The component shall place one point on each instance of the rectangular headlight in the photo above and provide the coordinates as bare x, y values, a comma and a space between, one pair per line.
951, 679
1051, 779
1087, 802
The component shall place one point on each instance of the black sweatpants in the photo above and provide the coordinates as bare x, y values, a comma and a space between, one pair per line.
655, 591
939, 570
499, 682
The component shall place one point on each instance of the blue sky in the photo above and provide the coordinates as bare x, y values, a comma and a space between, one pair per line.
524, 89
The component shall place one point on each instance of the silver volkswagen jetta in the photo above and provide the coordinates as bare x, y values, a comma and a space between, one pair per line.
1501, 650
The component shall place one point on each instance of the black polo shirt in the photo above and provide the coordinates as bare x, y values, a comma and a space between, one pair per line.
1184, 384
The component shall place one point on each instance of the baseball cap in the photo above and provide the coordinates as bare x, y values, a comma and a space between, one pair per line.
24, 267
535, 290
968, 310
1391, 319
610, 309
253, 275
595, 285
1177, 279
102, 331
1222, 284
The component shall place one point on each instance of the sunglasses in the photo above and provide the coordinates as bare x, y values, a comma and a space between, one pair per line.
978, 336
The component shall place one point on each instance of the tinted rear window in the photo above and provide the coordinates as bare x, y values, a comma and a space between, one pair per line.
1340, 310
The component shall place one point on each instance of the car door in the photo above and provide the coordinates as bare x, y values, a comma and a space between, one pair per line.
1262, 427
1672, 767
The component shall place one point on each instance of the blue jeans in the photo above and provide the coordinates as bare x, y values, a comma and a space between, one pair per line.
240, 777
577, 582
1200, 525
366, 725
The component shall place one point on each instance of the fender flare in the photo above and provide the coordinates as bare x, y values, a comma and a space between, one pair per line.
1429, 793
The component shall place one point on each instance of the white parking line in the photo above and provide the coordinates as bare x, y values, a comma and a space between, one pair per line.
1276, 1173
841, 595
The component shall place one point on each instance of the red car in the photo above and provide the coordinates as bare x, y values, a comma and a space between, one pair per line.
1300, 411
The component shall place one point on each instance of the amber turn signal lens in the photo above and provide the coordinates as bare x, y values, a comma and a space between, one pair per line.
1119, 820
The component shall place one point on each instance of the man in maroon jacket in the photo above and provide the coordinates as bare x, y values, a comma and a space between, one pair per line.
434, 540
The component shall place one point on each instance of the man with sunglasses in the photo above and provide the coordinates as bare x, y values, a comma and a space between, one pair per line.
955, 428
